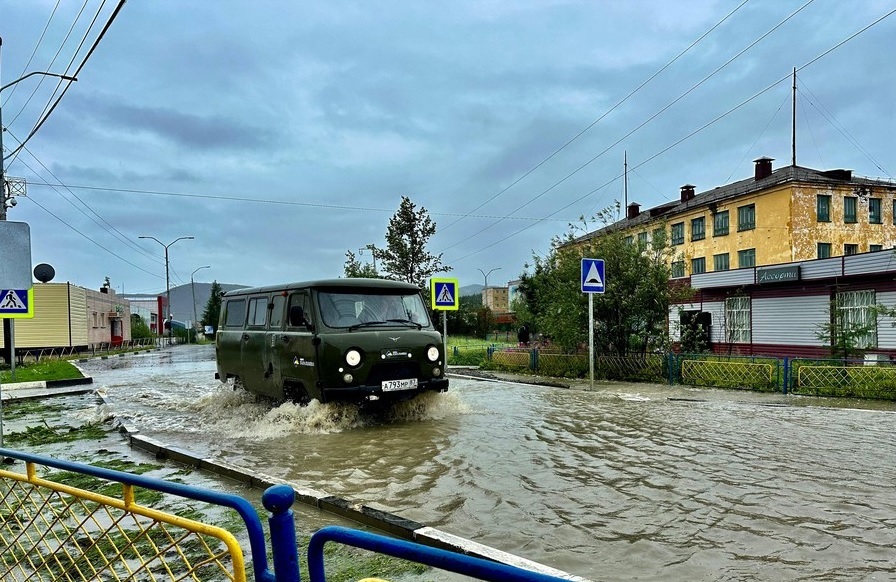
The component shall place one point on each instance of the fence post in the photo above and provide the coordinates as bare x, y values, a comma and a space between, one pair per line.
278, 499
671, 364
786, 374
533, 360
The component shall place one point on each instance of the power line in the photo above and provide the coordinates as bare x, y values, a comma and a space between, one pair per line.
265, 201
604, 115
643, 123
690, 135
34, 52
81, 66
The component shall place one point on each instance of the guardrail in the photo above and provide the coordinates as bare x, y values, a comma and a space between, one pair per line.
50, 530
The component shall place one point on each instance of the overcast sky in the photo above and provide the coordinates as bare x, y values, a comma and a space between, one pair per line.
282, 134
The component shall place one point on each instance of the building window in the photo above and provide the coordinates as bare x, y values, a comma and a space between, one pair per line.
642, 239
737, 318
857, 314
850, 203
849, 249
698, 228
746, 217
823, 250
720, 223
746, 258
659, 237
720, 262
677, 269
875, 215
698, 266
823, 207
678, 233
875, 248
630, 240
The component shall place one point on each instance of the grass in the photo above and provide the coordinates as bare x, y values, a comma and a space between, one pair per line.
47, 370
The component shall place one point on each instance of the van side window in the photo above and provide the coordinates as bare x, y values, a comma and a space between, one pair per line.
301, 299
235, 313
258, 311
278, 301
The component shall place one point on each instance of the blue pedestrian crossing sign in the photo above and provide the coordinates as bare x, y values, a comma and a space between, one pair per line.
593, 276
445, 294
16, 303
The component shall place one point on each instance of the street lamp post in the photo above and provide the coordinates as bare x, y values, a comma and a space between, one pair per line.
485, 289
167, 277
193, 290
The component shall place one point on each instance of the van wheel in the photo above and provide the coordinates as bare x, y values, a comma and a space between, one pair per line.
237, 383
296, 393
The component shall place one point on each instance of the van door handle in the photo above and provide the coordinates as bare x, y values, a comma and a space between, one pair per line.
284, 339
246, 336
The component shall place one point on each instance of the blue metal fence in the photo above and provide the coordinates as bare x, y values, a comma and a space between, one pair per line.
87, 535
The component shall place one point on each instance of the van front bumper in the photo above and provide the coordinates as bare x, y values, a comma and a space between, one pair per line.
363, 391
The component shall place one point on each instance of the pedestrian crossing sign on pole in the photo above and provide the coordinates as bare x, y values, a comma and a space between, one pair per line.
444, 294
16, 303
593, 276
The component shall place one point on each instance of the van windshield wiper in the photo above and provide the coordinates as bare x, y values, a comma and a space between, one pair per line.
407, 321
366, 323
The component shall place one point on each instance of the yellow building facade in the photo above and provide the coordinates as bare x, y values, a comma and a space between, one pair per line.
777, 216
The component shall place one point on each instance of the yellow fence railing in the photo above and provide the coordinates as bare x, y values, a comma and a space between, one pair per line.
52, 531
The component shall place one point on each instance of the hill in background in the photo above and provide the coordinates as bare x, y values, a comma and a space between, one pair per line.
182, 299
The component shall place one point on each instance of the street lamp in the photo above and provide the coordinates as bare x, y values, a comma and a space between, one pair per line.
485, 289
193, 289
167, 278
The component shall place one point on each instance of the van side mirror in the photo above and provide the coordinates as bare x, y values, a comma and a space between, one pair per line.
297, 317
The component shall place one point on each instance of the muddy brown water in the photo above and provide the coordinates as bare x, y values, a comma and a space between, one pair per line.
626, 482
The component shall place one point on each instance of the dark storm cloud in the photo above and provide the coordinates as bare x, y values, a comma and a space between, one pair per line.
183, 128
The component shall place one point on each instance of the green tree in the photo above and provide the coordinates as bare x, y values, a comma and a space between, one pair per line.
629, 317
139, 328
405, 257
849, 339
212, 311
354, 268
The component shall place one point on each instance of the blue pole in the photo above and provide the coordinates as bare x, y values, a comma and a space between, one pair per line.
278, 499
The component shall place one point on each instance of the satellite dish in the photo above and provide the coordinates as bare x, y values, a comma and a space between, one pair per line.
44, 273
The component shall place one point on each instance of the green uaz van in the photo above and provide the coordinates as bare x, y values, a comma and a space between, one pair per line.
330, 340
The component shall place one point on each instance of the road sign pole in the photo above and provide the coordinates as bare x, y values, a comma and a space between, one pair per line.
445, 338
591, 338
12, 348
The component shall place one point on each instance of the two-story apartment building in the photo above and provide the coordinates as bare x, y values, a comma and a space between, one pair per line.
777, 216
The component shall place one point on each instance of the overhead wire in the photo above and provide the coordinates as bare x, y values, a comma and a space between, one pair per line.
107, 227
50, 65
641, 125
34, 52
604, 115
830, 118
77, 72
691, 134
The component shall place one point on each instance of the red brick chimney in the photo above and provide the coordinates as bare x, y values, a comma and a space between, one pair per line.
763, 168
687, 192
632, 210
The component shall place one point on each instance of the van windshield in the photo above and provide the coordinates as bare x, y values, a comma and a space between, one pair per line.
339, 309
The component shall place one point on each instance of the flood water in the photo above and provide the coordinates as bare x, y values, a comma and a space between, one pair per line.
627, 482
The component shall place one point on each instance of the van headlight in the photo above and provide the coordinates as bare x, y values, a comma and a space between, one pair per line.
353, 357
432, 353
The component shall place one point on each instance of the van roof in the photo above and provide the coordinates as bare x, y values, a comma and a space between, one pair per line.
348, 283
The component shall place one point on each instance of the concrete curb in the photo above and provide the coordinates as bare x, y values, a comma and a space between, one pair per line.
364, 514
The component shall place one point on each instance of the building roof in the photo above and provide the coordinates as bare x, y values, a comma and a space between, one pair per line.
785, 175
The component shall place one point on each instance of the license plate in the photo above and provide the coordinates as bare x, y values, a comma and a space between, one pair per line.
393, 385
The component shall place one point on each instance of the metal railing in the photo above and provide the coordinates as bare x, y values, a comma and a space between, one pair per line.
50, 530
53, 531
35, 355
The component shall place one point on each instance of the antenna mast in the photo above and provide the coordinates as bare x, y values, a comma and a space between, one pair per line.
625, 179
793, 129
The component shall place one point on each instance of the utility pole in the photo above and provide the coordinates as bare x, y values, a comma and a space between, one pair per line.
793, 129
6, 201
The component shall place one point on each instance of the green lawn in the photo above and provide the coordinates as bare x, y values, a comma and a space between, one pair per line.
46, 370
